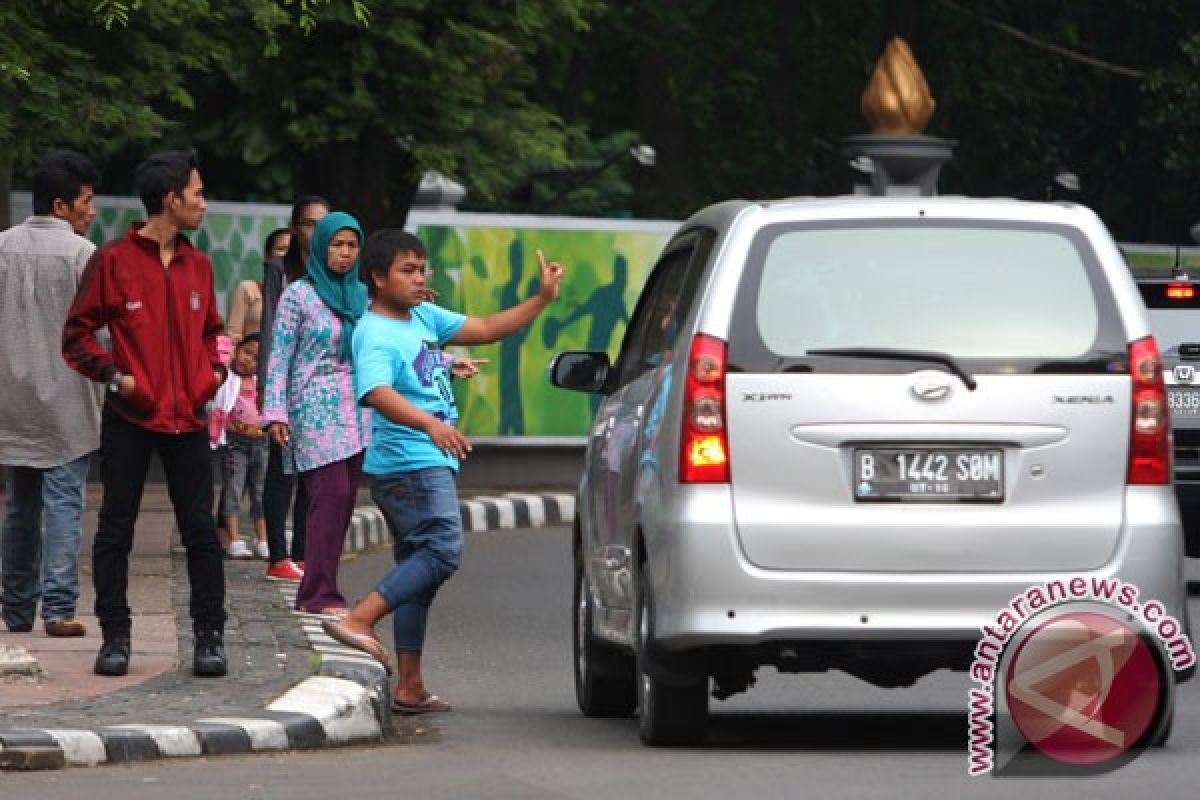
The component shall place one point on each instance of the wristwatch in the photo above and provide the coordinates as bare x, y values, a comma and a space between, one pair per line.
114, 383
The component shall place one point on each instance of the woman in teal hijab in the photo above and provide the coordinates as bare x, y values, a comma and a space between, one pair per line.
342, 291
309, 404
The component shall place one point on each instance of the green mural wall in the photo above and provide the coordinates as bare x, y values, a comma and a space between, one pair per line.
481, 270
481, 263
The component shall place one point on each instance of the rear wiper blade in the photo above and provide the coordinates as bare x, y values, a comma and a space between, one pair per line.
945, 359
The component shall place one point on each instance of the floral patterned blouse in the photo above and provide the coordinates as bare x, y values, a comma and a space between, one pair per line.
308, 388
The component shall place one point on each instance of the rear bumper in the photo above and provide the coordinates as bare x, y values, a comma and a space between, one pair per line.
708, 594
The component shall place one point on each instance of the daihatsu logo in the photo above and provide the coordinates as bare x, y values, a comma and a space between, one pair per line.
1185, 373
930, 390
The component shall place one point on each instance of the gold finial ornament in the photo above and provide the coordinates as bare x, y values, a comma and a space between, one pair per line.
897, 98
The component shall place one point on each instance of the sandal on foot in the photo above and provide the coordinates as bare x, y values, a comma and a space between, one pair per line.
359, 641
335, 614
430, 704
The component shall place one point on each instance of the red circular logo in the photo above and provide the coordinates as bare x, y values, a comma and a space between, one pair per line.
1083, 687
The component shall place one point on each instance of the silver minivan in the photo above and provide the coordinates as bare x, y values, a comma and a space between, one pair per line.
842, 433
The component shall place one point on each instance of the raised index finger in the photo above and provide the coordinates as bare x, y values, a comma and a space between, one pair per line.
541, 257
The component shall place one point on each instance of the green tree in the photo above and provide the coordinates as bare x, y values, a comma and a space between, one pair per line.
753, 99
107, 75
360, 113
68, 79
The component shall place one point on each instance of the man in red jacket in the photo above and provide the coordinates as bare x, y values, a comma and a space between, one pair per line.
154, 291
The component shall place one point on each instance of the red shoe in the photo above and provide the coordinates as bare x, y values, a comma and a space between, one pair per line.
285, 570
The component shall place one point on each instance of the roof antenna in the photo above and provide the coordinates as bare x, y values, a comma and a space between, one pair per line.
1179, 271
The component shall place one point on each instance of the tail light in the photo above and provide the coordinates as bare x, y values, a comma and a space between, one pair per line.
704, 446
1150, 438
1181, 291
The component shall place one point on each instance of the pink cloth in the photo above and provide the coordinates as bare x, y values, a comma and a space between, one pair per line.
245, 417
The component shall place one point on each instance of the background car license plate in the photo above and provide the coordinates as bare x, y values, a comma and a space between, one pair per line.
1184, 401
888, 474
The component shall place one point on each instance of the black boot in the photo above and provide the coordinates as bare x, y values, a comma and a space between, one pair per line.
209, 656
113, 658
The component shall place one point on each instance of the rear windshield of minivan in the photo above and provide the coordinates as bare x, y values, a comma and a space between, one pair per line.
1030, 298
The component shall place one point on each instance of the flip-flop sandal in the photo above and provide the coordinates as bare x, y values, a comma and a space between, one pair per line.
359, 641
335, 614
430, 704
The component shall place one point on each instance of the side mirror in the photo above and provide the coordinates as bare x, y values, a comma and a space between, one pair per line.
580, 370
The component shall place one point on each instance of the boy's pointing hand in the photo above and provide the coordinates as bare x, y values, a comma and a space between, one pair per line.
551, 276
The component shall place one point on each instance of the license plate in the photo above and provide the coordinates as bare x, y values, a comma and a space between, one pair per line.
1184, 401
891, 474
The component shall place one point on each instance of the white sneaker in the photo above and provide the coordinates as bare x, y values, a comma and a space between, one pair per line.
261, 550
238, 549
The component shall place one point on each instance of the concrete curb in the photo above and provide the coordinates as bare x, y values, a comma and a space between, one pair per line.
480, 513
348, 702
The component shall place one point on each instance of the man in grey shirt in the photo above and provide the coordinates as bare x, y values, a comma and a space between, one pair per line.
49, 413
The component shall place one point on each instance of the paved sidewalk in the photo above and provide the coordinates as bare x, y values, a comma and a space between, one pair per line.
289, 686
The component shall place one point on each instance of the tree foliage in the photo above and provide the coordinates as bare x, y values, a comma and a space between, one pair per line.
359, 113
531, 103
753, 99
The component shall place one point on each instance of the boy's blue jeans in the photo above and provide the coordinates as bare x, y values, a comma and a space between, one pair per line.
39, 565
421, 509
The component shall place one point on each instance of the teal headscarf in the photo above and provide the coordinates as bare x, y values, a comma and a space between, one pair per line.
345, 295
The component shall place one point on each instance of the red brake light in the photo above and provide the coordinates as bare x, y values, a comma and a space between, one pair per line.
1181, 291
1150, 435
704, 447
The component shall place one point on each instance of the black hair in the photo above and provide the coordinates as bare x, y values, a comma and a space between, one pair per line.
61, 175
293, 259
269, 242
250, 337
381, 250
303, 202
161, 174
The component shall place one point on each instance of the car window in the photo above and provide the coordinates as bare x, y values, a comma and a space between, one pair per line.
975, 292
651, 329
664, 304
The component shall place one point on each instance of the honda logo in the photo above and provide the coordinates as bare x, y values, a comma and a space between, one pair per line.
1185, 373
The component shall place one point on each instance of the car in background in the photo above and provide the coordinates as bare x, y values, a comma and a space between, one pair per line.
842, 433
1173, 306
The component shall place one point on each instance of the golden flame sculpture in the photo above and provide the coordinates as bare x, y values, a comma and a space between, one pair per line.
897, 98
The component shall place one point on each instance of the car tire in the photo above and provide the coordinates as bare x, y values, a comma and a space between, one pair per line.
605, 684
670, 714
1164, 732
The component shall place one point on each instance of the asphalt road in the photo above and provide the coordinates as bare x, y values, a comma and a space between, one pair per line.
499, 649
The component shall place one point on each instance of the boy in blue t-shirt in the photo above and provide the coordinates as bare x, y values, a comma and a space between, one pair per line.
401, 373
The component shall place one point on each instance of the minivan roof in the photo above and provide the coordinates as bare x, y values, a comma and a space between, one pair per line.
721, 215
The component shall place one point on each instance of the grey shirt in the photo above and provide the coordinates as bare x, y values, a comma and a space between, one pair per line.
49, 413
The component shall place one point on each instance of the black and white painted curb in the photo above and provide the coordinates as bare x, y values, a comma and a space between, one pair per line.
479, 513
348, 702
321, 711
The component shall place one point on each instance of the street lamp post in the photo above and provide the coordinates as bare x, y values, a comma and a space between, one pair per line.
643, 154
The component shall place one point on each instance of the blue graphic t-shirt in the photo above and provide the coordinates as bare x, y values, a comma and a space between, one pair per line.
406, 354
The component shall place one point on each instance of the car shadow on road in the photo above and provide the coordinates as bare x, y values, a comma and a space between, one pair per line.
840, 730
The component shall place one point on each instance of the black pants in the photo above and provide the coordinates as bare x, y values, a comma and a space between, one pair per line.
277, 496
125, 451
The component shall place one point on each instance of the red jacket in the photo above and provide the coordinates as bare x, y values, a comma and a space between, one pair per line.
164, 325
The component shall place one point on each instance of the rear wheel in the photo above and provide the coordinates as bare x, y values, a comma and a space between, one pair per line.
1164, 732
604, 679
671, 713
